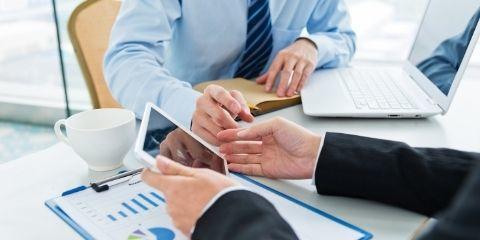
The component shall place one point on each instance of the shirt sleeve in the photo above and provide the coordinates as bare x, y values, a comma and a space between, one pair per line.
134, 62
316, 158
330, 29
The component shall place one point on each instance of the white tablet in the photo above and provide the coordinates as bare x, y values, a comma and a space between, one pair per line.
160, 134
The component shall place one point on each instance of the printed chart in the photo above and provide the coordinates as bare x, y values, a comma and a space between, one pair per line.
132, 207
133, 212
157, 233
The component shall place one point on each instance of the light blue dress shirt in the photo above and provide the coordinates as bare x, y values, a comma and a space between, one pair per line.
160, 48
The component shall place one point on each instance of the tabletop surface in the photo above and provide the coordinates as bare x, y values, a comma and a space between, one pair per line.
27, 182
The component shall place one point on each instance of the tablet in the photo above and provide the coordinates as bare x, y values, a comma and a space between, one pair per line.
160, 134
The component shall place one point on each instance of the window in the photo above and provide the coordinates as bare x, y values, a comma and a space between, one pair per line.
29, 64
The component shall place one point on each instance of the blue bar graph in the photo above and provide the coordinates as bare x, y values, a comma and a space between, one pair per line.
148, 200
130, 208
157, 196
144, 201
121, 213
111, 217
139, 204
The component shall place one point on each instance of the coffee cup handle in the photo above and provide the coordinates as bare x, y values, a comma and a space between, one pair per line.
59, 133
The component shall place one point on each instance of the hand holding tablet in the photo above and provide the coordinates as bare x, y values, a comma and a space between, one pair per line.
162, 135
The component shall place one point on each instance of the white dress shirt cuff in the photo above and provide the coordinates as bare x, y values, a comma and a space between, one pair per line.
216, 197
318, 156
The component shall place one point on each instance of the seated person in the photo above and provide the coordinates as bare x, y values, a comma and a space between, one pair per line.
160, 48
425, 180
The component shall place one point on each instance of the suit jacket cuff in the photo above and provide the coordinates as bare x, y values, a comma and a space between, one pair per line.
338, 170
242, 214
216, 197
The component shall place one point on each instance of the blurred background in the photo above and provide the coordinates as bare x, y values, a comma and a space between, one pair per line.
31, 89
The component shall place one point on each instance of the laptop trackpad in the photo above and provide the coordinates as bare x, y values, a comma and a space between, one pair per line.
325, 94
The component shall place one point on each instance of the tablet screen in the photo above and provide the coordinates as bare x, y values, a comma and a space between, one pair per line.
165, 138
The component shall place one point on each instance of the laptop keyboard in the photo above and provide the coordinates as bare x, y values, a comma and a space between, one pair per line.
375, 89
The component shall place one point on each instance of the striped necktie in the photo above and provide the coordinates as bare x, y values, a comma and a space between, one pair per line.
259, 42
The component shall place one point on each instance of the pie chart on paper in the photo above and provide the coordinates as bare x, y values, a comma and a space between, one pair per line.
157, 233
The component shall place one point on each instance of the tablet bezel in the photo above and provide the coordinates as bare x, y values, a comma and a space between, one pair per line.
146, 158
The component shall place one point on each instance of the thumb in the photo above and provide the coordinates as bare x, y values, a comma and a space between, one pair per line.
172, 168
244, 114
259, 130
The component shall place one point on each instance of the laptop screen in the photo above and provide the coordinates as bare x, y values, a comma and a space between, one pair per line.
443, 38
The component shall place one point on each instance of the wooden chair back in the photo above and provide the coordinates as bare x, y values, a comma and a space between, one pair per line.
89, 28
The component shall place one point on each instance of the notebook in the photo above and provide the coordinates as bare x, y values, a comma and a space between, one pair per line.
259, 101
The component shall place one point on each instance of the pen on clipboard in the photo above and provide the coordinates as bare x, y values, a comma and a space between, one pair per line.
107, 183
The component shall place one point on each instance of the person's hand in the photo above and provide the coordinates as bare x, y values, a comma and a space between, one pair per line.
276, 148
180, 147
216, 110
295, 63
187, 190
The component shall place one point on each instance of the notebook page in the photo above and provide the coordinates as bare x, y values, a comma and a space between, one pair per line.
253, 92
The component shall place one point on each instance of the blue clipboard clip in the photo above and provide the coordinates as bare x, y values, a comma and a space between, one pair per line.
73, 190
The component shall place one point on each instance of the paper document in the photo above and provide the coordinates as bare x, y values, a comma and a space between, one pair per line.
128, 211
136, 211
309, 224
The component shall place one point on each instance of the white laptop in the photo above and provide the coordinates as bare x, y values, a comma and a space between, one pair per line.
423, 87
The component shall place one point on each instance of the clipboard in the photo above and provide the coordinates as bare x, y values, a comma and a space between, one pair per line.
281, 201
61, 214
124, 183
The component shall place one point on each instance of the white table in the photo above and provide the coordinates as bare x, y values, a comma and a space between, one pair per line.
27, 182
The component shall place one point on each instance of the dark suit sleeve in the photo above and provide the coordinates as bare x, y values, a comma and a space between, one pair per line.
242, 215
462, 219
423, 180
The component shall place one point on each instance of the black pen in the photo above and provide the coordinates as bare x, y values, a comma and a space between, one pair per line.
105, 184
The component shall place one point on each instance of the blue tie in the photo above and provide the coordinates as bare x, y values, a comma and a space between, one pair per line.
259, 42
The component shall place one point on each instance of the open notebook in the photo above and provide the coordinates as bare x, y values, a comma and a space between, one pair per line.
259, 101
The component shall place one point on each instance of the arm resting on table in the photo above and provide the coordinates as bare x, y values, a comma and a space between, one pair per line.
423, 180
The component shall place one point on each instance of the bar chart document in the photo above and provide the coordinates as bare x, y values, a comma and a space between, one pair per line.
132, 211
135, 211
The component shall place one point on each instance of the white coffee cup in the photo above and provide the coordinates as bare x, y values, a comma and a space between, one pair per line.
101, 137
